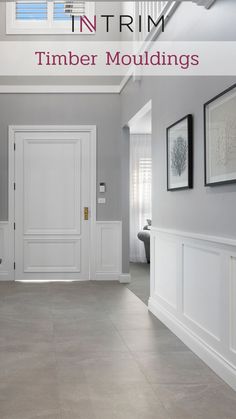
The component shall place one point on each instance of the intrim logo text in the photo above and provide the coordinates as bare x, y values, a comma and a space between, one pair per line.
124, 22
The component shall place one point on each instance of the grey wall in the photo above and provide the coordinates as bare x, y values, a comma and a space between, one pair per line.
203, 210
102, 110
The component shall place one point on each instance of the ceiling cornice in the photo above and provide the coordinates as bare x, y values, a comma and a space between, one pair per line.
59, 89
206, 3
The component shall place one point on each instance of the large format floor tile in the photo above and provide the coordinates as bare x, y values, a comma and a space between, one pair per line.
149, 340
28, 386
126, 401
174, 368
198, 401
135, 321
99, 368
90, 341
93, 351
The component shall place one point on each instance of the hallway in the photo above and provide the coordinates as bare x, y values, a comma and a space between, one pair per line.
92, 351
140, 281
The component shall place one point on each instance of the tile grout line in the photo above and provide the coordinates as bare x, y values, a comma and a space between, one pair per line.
54, 355
144, 375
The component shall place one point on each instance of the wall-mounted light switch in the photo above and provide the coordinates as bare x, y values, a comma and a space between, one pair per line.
102, 187
101, 200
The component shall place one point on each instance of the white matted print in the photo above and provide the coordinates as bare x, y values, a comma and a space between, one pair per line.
220, 138
179, 154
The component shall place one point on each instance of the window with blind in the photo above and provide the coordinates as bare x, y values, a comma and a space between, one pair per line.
45, 17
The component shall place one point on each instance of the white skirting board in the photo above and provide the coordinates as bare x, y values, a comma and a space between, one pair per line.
125, 278
193, 291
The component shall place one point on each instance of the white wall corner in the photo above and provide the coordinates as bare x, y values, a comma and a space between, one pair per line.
125, 278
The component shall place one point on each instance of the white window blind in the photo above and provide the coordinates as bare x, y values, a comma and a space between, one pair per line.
45, 17
31, 10
75, 7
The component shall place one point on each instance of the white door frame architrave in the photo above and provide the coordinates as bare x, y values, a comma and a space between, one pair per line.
91, 129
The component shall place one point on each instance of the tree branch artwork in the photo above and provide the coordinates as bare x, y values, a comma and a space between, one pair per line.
179, 156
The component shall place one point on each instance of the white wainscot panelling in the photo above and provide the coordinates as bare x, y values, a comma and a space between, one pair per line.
165, 286
193, 291
108, 250
202, 297
6, 270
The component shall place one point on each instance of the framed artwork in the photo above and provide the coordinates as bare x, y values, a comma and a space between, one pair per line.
220, 138
179, 147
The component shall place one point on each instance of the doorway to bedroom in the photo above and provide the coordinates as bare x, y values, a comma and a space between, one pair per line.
140, 204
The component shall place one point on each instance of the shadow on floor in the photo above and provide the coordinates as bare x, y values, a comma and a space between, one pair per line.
140, 281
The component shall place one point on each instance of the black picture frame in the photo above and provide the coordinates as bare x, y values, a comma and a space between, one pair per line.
213, 102
189, 153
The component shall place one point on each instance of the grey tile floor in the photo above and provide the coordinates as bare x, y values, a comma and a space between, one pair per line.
140, 280
93, 351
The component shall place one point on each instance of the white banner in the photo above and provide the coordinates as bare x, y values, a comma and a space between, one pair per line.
116, 59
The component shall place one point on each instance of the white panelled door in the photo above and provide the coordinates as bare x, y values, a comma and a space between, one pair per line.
52, 175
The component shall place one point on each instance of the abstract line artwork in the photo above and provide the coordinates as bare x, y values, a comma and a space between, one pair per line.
220, 138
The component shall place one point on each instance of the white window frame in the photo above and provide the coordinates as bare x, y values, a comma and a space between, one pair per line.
47, 27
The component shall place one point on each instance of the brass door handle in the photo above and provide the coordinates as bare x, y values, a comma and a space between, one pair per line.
86, 213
